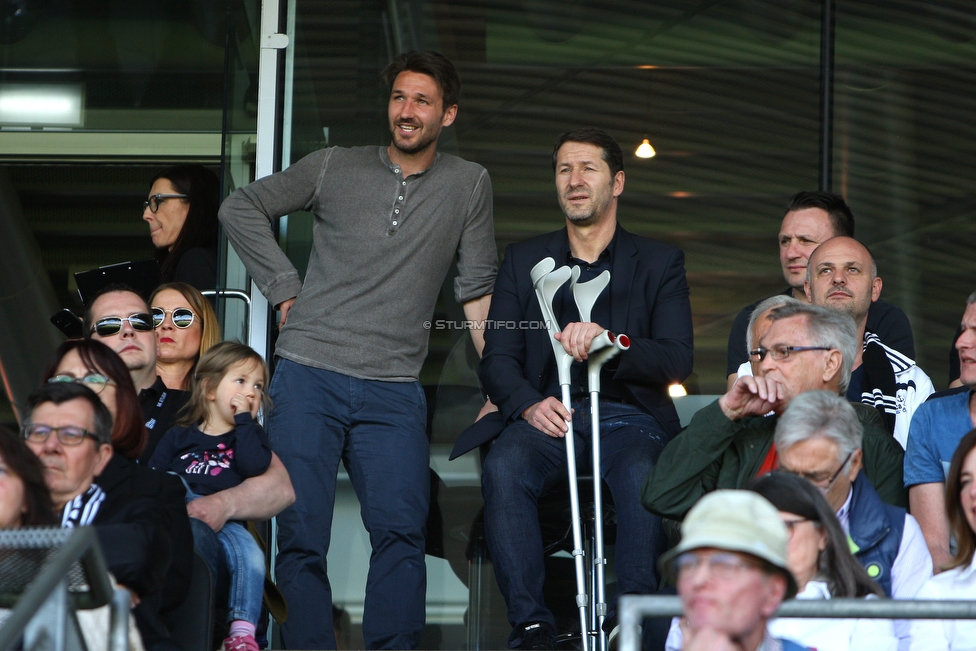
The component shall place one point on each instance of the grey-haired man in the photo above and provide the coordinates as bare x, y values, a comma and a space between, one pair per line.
730, 442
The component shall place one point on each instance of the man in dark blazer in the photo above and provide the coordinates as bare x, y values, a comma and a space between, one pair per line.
647, 299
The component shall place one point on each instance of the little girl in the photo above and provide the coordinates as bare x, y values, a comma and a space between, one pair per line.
215, 446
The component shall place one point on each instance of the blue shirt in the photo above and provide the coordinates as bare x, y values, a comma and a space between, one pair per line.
937, 427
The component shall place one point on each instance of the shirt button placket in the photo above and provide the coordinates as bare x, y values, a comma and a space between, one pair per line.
395, 217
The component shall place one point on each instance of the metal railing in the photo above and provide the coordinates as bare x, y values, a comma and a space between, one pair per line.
632, 609
64, 571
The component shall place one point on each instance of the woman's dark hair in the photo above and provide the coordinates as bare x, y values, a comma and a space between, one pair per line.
958, 525
21, 462
129, 430
202, 188
843, 574
213, 365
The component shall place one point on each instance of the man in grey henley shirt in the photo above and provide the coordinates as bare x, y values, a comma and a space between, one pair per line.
389, 221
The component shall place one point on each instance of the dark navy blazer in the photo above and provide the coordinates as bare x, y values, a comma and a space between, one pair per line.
648, 302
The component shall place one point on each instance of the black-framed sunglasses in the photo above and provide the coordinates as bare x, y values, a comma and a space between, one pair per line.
111, 325
780, 352
67, 435
155, 199
182, 316
94, 381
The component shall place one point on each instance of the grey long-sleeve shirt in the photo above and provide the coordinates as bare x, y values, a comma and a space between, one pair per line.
381, 247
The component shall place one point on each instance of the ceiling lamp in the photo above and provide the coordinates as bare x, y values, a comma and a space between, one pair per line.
645, 150
56, 105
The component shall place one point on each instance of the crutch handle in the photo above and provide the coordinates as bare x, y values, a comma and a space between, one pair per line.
604, 355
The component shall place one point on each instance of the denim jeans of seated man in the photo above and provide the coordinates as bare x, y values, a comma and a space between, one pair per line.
524, 463
234, 554
378, 430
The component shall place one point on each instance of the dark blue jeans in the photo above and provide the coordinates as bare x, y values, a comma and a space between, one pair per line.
379, 431
524, 463
232, 552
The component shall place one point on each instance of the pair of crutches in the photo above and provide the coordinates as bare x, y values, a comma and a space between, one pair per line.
546, 280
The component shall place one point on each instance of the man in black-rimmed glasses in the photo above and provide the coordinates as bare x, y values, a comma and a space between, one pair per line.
730, 442
70, 430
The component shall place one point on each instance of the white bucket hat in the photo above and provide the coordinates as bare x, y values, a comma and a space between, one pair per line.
739, 521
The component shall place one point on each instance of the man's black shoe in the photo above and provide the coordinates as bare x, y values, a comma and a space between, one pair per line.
537, 636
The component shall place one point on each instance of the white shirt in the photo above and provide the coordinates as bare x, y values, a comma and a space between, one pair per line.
818, 633
911, 569
947, 634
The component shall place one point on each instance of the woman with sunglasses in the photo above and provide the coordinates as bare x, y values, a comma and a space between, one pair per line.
186, 326
958, 580
182, 214
98, 367
820, 560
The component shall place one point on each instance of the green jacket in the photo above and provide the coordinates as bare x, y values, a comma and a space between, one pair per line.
714, 452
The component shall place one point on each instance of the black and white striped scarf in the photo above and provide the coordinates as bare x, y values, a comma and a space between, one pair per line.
81, 511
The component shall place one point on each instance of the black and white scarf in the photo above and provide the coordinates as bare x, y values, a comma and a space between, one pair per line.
81, 511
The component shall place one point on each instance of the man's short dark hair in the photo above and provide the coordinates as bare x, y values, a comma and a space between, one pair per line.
62, 392
612, 154
841, 217
430, 63
108, 289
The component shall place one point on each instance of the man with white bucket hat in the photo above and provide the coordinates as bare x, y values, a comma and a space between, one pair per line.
731, 573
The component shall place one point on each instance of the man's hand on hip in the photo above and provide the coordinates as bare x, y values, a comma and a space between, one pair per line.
284, 308
549, 417
577, 337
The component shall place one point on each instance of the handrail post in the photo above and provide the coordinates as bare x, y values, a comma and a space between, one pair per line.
119, 628
54, 627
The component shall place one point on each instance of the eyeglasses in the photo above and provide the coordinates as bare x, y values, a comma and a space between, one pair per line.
781, 352
155, 199
111, 325
721, 565
182, 316
94, 381
820, 479
67, 435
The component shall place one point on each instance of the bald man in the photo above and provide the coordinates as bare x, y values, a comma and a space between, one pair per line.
842, 275
811, 218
